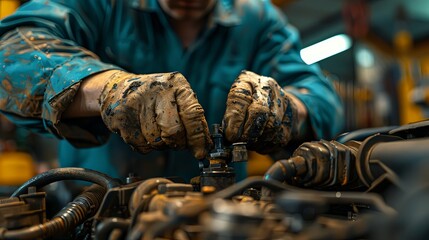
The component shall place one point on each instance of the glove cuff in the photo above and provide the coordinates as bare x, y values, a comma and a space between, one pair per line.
112, 82
301, 129
291, 117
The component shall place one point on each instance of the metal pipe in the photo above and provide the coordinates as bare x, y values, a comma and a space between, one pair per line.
143, 189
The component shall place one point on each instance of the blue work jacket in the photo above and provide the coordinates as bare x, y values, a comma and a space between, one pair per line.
49, 46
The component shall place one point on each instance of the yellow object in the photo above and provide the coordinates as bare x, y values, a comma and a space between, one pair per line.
258, 164
403, 41
424, 71
15, 168
7, 7
409, 111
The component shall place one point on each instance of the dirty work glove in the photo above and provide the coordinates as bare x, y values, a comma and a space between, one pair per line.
155, 111
259, 112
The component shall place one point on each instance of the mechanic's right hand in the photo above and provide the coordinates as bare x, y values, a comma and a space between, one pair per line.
155, 111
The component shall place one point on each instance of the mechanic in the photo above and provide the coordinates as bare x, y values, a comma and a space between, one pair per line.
80, 70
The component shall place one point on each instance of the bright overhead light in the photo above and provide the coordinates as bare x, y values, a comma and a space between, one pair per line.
326, 48
365, 58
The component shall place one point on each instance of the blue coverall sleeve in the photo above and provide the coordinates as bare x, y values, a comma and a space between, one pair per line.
46, 49
278, 56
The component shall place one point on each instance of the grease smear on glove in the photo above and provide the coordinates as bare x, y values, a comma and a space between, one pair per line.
259, 112
155, 111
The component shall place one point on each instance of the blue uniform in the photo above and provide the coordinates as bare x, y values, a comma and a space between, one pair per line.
48, 47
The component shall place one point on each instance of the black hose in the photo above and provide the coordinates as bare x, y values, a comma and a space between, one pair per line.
59, 174
281, 171
75, 213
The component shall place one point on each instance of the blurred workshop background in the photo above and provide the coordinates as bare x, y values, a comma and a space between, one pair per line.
376, 52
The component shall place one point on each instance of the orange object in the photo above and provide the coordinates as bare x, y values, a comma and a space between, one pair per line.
15, 168
7, 7
258, 164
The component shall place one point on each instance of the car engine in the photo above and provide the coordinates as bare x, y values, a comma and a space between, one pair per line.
367, 184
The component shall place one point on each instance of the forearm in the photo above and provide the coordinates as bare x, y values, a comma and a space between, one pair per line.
44, 64
86, 100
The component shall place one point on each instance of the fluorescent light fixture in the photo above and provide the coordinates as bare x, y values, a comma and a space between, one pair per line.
326, 48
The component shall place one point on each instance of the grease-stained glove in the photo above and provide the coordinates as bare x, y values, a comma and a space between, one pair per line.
260, 113
155, 111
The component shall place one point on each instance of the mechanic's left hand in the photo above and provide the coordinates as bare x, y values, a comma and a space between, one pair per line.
259, 112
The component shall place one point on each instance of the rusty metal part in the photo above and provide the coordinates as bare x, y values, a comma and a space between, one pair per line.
75, 213
229, 220
219, 152
218, 175
239, 152
144, 190
216, 172
29, 209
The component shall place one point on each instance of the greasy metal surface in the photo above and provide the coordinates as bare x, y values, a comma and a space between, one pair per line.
239, 152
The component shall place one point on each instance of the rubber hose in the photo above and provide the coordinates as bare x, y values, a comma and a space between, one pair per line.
280, 171
59, 174
75, 213
143, 189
